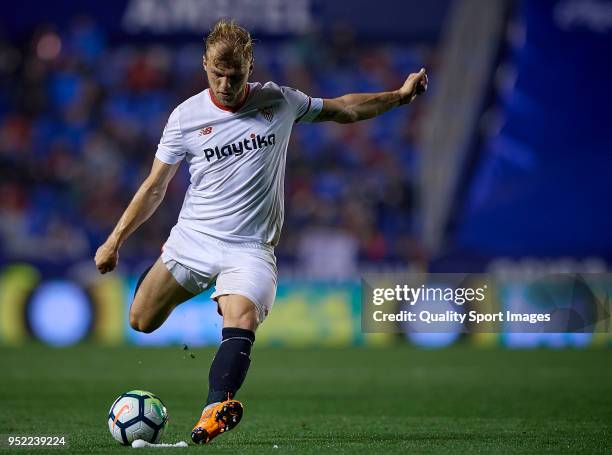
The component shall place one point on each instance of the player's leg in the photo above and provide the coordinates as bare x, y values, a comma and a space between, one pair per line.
229, 368
231, 363
238, 311
156, 296
254, 275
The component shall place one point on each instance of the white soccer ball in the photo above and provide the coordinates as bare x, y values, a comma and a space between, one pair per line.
137, 414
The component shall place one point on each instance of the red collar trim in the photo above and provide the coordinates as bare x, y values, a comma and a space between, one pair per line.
230, 109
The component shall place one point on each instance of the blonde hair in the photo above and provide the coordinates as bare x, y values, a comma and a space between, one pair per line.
235, 42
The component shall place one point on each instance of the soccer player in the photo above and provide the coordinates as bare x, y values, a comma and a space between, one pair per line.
234, 137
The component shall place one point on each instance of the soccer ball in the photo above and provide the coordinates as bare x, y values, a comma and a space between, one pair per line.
137, 415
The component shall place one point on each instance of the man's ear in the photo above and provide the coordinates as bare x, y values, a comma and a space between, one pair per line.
251, 67
204, 62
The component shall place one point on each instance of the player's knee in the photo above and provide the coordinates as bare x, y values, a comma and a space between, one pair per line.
141, 326
242, 317
141, 323
247, 321
135, 322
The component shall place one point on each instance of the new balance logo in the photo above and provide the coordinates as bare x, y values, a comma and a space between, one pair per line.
267, 113
255, 142
205, 131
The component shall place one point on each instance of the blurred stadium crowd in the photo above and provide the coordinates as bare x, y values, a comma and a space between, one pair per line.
80, 119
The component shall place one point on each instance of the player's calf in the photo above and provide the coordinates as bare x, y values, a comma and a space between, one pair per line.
227, 373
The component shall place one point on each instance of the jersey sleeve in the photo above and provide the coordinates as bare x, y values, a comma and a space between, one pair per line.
305, 107
170, 149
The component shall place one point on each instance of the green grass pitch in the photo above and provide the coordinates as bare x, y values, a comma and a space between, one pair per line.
379, 400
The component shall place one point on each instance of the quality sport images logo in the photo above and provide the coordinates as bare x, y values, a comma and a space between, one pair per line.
255, 142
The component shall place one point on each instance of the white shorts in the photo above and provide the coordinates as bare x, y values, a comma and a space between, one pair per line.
197, 261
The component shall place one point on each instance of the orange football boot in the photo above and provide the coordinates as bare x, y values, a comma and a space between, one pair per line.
216, 419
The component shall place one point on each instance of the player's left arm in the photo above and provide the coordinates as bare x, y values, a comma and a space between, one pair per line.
361, 106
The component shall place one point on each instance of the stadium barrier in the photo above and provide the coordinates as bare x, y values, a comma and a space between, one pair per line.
91, 308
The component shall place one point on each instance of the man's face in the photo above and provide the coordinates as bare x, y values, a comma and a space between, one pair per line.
227, 79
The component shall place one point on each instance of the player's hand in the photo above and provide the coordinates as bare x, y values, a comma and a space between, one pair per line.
415, 84
106, 257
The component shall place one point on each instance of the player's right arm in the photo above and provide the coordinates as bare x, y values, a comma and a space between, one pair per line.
143, 205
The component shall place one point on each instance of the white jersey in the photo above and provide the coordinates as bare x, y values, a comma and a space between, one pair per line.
236, 160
